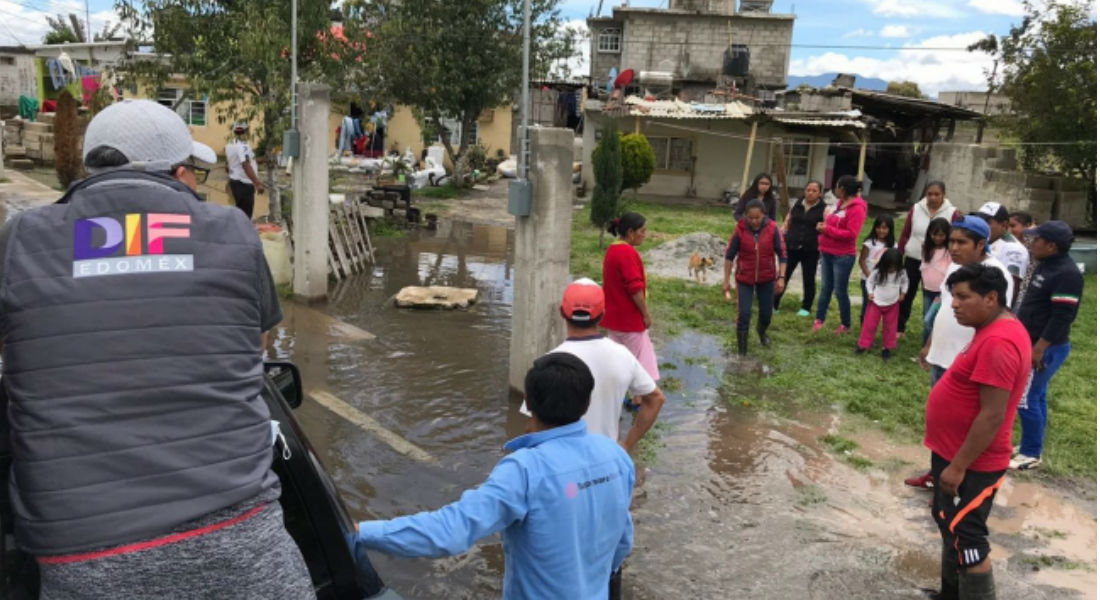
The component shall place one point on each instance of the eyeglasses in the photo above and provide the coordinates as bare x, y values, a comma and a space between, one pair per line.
201, 173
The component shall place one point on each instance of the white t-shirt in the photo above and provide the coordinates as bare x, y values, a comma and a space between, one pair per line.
236, 153
616, 373
948, 337
875, 249
888, 292
1012, 254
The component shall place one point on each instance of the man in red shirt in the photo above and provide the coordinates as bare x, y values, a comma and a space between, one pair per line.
968, 427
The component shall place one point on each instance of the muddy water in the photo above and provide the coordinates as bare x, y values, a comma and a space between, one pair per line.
735, 505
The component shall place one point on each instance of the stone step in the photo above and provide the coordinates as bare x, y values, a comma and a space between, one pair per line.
46, 117
14, 151
23, 164
39, 127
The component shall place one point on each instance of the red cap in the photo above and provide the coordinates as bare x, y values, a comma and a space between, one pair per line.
582, 301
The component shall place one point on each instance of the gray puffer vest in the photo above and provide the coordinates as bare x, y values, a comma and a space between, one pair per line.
130, 317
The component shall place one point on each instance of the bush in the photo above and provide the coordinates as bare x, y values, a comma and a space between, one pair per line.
476, 157
608, 170
638, 161
67, 131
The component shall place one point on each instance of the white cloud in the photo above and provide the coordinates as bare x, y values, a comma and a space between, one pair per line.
896, 31
933, 70
858, 33
1012, 8
910, 8
578, 65
21, 25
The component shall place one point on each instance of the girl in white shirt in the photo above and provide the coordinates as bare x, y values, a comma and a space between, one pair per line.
886, 288
878, 241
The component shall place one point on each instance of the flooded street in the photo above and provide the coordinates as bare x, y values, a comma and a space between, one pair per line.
734, 505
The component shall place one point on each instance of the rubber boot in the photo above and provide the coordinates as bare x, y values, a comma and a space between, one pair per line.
763, 333
949, 576
742, 342
977, 586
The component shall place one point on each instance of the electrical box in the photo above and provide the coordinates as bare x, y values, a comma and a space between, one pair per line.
519, 197
291, 143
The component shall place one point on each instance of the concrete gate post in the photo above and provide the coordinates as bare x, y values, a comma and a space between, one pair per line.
311, 212
542, 252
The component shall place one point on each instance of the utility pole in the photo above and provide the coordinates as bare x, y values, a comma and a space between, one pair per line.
294, 64
88, 23
525, 94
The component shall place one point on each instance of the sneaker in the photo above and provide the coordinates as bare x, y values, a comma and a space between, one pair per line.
840, 329
886, 354
817, 326
860, 350
921, 481
1023, 462
803, 313
1015, 451
629, 406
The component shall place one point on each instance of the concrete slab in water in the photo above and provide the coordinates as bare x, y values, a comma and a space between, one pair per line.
435, 296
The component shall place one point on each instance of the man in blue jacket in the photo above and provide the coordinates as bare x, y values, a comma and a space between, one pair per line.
561, 499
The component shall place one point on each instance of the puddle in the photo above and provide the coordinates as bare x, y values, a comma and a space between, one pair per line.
736, 504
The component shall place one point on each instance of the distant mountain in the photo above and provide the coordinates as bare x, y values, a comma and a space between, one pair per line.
819, 81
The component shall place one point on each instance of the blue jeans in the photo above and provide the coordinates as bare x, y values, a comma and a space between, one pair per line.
929, 317
835, 271
765, 296
1033, 407
935, 374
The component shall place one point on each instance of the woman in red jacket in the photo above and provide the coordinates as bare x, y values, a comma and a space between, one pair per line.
836, 240
755, 245
626, 313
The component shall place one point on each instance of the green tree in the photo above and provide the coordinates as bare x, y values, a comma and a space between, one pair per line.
236, 54
607, 167
67, 132
70, 29
453, 60
1049, 63
908, 89
638, 161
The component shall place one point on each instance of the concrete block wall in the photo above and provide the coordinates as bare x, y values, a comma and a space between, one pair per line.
692, 45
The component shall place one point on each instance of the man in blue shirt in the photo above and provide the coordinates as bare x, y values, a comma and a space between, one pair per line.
561, 499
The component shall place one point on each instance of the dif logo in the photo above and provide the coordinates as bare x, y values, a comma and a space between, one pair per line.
135, 244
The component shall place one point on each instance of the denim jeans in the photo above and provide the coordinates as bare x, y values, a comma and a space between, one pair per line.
835, 270
1033, 406
912, 271
928, 319
765, 296
935, 373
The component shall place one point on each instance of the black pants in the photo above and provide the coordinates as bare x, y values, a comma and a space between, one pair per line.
962, 524
764, 293
808, 260
244, 196
912, 271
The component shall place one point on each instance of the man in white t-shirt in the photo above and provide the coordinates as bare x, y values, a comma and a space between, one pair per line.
1004, 246
615, 369
241, 161
968, 243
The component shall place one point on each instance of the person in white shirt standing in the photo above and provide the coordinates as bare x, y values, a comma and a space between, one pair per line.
886, 286
1004, 246
244, 182
616, 371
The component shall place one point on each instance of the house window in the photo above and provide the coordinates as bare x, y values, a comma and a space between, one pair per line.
196, 112
168, 97
610, 40
797, 151
7, 60
672, 153
455, 134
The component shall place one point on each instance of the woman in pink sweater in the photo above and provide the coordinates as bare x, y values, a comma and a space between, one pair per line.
836, 240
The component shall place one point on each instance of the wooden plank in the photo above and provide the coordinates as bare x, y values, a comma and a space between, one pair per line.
364, 233
343, 261
338, 221
356, 233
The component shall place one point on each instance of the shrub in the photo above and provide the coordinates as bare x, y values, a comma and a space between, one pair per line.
608, 170
638, 161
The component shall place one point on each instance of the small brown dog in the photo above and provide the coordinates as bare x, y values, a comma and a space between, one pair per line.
698, 265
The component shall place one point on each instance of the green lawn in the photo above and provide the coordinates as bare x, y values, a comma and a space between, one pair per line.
819, 370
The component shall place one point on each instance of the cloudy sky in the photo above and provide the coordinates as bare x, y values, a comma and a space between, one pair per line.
24, 21
834, 35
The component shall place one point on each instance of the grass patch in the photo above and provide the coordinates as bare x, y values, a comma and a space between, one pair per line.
838, 444
811, 495
672, 384
285, 290
667, 366
443, 192
1047, 561
646, 450
819, 370
5, 180
386, 228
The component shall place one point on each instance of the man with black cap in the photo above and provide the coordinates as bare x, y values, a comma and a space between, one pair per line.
1003, 245
132, 316
1047, 311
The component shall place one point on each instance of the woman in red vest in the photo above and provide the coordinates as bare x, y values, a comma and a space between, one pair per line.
755, 245
626, 314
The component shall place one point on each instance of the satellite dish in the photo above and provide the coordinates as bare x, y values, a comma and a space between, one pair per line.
624, 78
611, 75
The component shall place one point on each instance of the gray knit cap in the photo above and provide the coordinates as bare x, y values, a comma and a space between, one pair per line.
151, 135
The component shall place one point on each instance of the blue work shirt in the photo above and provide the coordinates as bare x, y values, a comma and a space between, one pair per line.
562, 500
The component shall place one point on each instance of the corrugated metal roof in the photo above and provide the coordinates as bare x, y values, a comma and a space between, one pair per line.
822, 122
675, 109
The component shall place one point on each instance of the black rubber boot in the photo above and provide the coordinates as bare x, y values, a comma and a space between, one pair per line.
742, 342
764, 339
949, 576
977, 586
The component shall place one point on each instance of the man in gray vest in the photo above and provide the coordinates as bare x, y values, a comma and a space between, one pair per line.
132, 316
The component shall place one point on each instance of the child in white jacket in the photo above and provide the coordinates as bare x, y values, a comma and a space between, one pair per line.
886, 288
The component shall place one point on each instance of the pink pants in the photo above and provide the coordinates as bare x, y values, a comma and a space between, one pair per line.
889, 317
641, 347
